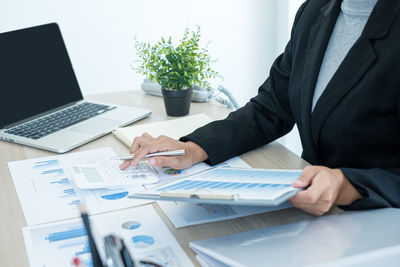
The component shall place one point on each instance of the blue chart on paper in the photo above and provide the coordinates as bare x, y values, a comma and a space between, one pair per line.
241, 183
70, 235
67, 234
237, 181
72, 240
46, 163
142, 241
131, 225
212, 185
54, 171
114, 195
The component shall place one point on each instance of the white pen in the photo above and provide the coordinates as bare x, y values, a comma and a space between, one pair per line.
179, 152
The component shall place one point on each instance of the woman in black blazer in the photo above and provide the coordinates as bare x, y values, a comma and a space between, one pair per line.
352, 137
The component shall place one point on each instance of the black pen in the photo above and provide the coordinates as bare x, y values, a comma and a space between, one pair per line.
93, 249
126, 256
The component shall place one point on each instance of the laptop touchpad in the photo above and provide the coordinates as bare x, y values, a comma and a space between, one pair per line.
96, 125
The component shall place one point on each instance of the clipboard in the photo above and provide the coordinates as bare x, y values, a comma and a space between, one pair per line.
232, 186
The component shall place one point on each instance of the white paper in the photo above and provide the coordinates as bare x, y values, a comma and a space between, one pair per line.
168, 175
183, 214
46, 192
143, 231
149, 238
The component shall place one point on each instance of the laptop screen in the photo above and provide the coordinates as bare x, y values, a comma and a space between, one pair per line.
36, 74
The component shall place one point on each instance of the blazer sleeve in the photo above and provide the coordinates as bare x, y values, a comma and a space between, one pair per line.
380, 188
263, 119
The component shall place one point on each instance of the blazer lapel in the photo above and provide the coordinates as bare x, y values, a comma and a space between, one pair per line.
317, 43
356, 63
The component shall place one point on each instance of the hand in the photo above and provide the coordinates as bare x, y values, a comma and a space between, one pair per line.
326, 187
146, 144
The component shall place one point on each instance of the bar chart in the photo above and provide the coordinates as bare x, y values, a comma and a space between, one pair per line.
239, 183
58, 243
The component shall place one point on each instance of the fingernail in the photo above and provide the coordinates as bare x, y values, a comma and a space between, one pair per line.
299, 183
152, 162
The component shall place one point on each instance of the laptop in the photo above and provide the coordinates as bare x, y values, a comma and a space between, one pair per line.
41, 104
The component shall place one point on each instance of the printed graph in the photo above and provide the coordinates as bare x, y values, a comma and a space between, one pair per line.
114, 194
142, 241
51, 177
131, 225
58, 244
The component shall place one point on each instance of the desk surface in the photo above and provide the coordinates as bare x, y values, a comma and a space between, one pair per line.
274, 155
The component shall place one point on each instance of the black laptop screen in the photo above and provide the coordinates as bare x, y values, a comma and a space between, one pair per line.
36, 74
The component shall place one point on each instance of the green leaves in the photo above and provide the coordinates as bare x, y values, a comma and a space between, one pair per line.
177, 67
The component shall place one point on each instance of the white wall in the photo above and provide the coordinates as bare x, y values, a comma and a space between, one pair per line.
99, 35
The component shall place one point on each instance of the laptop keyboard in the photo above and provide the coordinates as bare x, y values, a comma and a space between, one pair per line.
57, 121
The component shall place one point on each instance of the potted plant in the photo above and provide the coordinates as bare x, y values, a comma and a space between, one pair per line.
176, 69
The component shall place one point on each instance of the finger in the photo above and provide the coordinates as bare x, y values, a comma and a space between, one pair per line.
125, 164
140, 141
314, 193
151, 148
136, 144
147, 136
172, 162
306, 177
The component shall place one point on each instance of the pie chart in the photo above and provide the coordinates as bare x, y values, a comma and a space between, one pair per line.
114, 194
131, 225
142, 241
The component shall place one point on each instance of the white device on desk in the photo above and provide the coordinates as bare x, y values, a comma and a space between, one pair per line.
94, 177
41, 103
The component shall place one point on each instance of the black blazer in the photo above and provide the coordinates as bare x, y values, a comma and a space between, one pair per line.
355, 125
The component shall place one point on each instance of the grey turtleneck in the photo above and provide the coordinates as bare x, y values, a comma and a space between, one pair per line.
349, 25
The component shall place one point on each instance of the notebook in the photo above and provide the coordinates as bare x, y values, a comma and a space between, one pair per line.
233, 186
175, 128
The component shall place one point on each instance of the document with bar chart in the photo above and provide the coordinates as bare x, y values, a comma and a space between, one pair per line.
144, 233
46, 191
235, 186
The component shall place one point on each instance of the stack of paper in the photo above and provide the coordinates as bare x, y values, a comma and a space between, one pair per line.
364, 238
173, 128
143, 231
47, 194
183, 214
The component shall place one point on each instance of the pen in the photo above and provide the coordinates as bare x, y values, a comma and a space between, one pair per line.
179, 152
93, 249
126, 257
112, 249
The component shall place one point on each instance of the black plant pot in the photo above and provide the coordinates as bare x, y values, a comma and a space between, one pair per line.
177, 102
